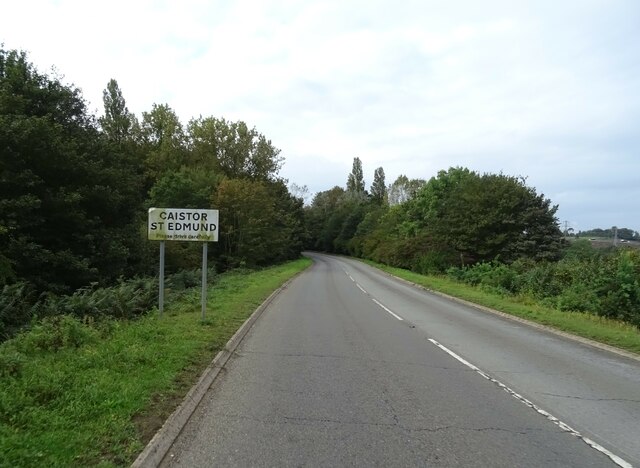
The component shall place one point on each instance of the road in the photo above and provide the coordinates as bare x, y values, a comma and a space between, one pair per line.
349, 367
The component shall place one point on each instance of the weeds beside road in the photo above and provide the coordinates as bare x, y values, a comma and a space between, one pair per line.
80, 394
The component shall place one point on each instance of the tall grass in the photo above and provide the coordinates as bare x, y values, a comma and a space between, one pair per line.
91, 391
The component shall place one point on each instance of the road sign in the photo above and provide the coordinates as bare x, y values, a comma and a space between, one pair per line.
183, 224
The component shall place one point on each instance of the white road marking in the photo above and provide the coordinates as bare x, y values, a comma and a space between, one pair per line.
386, 309
361, 288
565, 427
350, 277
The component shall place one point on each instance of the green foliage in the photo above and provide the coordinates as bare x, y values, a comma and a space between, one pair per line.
233, 149
605, 285
7, 275
598, 328
404, 189
54, 333
493, 276
618, 287
457, 218
491, 231
487, 217
163, 140
623, 233
67, 200
16, 308
117, 122
263, 222
355, 181
19, 305
76, 392
74, 191
378, 187
186, 188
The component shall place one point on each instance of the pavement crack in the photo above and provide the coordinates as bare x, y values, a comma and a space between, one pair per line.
469, 429
336, 421
306, 420
573, 397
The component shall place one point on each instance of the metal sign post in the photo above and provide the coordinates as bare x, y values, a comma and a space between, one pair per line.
204, 279
161, 292
183, 224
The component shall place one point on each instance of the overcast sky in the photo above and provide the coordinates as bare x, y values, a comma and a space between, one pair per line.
549, 90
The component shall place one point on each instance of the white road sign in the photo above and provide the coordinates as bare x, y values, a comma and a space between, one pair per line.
183, 224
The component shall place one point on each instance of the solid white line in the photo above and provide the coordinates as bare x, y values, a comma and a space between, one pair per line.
381, 305
565, 427
361, 288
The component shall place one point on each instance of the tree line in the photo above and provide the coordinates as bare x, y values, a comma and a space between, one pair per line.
490, 230
457, 218
75, 187
622, 233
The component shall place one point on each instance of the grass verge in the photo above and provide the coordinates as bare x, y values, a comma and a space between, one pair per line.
603, 330
98, 399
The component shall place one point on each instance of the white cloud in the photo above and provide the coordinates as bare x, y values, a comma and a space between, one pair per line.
539, 88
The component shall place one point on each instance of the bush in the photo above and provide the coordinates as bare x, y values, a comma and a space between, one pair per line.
16, 308
495, 277
577, 298
618, 287
55, 333
127, 299
606, 284
11, 362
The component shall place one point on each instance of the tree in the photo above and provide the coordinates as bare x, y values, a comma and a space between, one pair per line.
231, 148
186, 188
355, 181
486, 217
163, 141
117, 121
404, 189
378, 187
68, 211
320, 221
260, 222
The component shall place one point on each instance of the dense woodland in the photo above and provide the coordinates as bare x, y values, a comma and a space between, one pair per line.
75, 189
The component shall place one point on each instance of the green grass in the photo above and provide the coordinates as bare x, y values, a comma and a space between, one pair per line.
603, 330
98, 400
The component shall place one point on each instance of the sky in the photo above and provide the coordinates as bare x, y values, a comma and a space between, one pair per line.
547, 90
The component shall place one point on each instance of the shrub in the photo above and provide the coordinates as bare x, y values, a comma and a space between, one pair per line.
577, 298
16, 308
618, 287
55, 333
491, 276
11, 362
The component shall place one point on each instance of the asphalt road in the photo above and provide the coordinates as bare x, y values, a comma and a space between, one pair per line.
349, 367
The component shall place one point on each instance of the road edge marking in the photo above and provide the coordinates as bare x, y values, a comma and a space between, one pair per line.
385, 308
565, 427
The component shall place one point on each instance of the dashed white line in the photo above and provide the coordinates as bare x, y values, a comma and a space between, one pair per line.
373, 299
387, 309
565, 427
